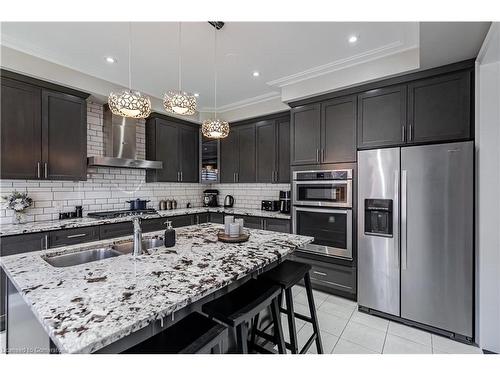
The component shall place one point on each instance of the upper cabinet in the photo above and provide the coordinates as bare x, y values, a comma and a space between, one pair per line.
305, 134
439, 108
175, 143
324, 132
283, 152
43, 130
237, 155
382, 117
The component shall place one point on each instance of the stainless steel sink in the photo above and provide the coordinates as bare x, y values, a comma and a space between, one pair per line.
87, 256
128, 247
81, 257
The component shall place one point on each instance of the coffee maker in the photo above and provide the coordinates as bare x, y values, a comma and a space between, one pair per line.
285, 201
211, 198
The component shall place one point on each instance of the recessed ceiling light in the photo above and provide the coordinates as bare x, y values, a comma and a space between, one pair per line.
196, 94
256, 74
353, 39
110, 60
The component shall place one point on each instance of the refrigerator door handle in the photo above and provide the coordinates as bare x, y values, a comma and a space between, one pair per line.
396, 204
404, 224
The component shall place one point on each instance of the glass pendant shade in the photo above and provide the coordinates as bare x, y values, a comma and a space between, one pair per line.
215, 129
129, 103
179, 102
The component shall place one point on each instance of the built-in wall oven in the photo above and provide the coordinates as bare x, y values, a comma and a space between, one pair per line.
322, 208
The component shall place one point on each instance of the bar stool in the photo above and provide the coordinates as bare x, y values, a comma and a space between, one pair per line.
195, 334
286, 275
237, 308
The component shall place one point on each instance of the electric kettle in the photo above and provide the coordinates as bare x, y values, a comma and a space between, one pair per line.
228, 201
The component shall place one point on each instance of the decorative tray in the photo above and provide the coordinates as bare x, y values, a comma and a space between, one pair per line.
222, 237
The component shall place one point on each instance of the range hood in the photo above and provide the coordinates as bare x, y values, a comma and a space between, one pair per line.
120, 145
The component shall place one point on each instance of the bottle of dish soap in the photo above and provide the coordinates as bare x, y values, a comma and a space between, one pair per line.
169, 240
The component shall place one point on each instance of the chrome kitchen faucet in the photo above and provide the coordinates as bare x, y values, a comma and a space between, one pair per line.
137, 236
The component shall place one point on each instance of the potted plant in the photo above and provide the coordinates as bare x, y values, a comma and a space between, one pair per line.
18, 202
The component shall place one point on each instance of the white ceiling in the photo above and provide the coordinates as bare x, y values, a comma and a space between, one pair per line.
283, 52
276, 49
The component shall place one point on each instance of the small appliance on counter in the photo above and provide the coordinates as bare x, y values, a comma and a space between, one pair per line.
211, 198
270, 205
285, 201
138, 204
228, 201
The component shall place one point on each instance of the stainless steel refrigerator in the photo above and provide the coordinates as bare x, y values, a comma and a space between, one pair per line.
415, 234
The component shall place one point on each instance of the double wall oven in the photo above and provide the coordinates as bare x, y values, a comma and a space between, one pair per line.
322, 208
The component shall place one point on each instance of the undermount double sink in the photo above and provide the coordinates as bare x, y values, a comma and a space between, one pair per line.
92, 255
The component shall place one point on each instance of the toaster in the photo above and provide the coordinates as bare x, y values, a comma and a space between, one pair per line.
270, 205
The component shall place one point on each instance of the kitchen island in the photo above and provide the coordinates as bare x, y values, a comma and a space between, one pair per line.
112, 304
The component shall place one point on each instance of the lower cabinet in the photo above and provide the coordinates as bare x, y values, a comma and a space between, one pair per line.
202, 218
153, 225
74, 236
182, 221
216, 217
330, 277
277, 225
115, 230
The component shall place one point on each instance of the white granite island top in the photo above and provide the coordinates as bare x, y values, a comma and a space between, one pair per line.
49, 225
86, 307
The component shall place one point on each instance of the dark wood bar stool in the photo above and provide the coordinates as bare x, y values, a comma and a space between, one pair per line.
237, 308
195, 334
288, 274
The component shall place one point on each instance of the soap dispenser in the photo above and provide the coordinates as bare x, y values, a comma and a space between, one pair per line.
169, 240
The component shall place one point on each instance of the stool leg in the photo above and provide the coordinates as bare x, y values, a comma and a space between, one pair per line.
312, 308
291, 321
255, 325
278, 330
216, 349
242, 338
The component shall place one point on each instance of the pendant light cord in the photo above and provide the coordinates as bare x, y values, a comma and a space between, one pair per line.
180, 58
215, 74
129, 56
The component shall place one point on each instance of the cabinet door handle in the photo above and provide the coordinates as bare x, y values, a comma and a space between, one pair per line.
181, 177
320, 273
237, 176
46, 238
410, 132
77, 235
322, 155
38, 169
403, 135
45, 168
317, 155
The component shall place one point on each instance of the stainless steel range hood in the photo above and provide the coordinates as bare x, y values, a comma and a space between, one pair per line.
120, 145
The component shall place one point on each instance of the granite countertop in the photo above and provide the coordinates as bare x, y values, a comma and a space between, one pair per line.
86, 307
42, 226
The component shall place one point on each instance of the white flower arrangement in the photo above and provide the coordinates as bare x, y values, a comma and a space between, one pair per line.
18, 201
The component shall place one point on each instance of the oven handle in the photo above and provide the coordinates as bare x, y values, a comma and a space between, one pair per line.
323, 182
325, 210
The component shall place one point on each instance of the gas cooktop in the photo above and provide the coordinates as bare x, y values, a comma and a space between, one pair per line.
121, 213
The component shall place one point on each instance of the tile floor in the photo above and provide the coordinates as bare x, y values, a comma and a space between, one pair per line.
345, 330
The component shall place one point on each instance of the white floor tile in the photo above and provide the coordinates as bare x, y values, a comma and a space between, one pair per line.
453, 347
319, 298
296, 289
286, 332
335, 308
2, 342
398, 345
331, 323
410, 333
328, 340
368, 337
370, 320
346, 347
341, 301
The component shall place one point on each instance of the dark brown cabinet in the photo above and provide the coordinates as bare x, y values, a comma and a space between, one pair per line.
43, 132
182, 221
74, 236
237, 160
305, 134
273, 150
382, 117
21, 131
277, 225
174, 143
338, 130
439, 108
64, 136
115, 230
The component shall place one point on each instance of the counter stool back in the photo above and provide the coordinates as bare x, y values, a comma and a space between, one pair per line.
237, 308
194, 334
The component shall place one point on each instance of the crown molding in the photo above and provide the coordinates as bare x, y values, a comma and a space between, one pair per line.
245, 102
383, 51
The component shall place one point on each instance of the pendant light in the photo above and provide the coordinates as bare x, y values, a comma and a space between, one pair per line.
215, 128
128, 103
178, 101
